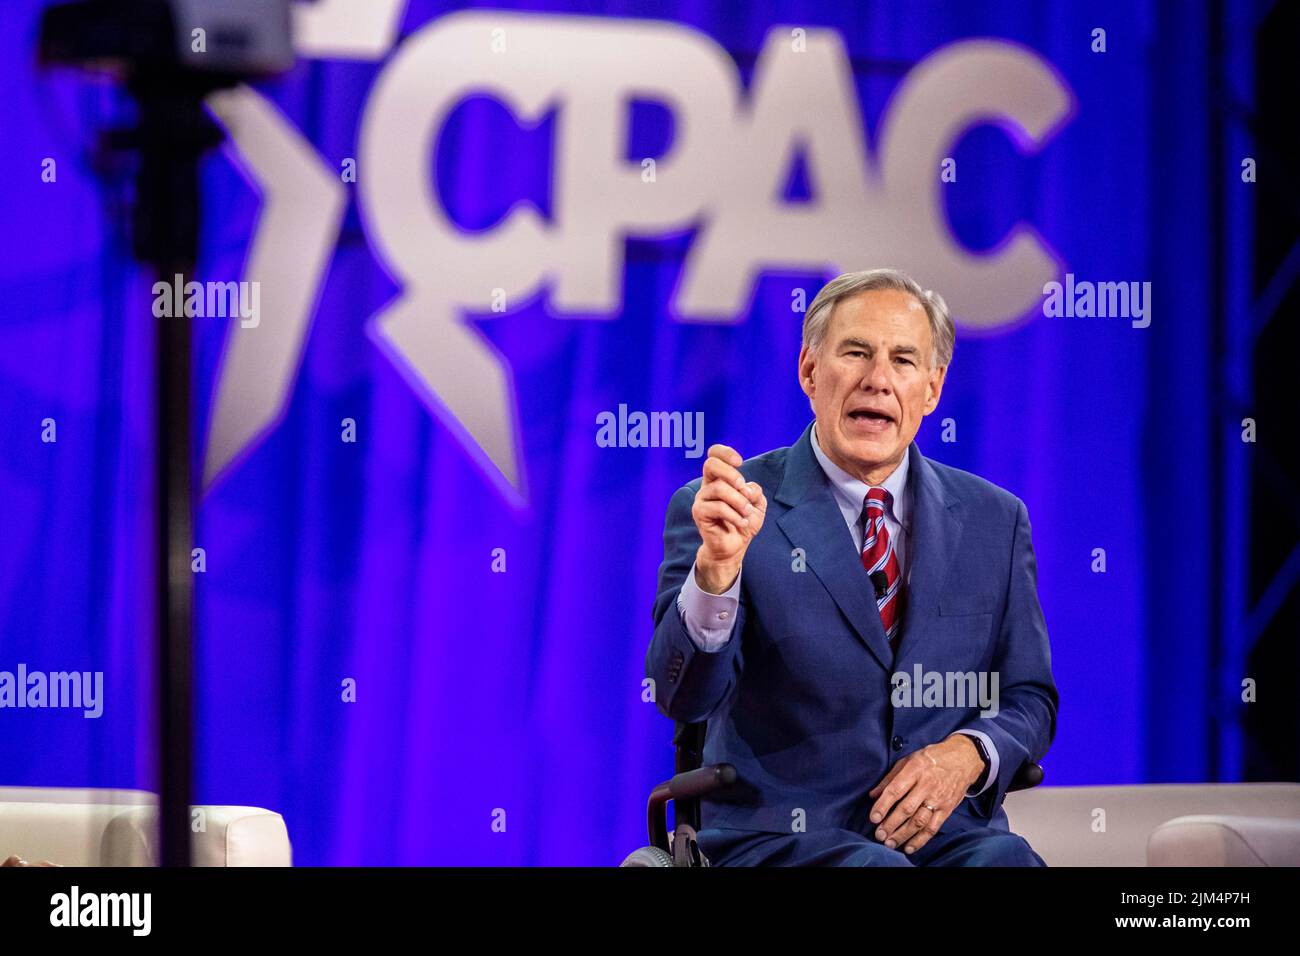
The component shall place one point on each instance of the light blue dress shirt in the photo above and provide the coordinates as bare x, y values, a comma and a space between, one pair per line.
708, 617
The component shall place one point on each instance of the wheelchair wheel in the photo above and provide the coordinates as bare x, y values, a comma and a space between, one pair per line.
648, 856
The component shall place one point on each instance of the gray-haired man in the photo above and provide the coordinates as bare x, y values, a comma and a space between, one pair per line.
786, 624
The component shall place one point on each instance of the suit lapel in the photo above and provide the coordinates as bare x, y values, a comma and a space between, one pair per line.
815, 524
936, 531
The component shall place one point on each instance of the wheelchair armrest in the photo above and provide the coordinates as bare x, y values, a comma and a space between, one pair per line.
688, 785
701, 782
1029, 775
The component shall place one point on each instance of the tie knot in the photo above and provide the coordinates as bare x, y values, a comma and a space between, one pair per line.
877, 499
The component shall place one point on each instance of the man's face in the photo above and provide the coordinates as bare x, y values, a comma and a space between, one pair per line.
870, 381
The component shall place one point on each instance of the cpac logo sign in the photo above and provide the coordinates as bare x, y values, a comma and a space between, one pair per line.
724, 171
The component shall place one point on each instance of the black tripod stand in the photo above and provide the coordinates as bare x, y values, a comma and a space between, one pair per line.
171, 135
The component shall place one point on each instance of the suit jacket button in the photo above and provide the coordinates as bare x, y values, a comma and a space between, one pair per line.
897, 743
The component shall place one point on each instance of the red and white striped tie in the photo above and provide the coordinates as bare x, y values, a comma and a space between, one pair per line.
878, 555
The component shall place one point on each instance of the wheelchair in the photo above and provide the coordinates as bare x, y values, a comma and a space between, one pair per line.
691, 781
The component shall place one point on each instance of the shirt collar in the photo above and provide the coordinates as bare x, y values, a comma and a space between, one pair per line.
851, 493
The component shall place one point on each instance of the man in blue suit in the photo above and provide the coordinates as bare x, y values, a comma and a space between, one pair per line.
867, 647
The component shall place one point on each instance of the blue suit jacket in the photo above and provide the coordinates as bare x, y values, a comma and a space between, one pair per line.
799, 700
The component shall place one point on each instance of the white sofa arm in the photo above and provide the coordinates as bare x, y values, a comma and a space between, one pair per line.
1222, 840
220, 836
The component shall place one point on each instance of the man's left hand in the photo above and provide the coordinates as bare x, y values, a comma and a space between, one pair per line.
921, 790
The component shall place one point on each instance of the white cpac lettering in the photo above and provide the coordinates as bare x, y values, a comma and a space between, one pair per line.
729, 154
725, 167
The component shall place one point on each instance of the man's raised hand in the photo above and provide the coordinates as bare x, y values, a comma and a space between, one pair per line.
728, 512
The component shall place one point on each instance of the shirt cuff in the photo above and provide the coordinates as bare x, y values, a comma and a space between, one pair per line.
993, 760
708, 618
